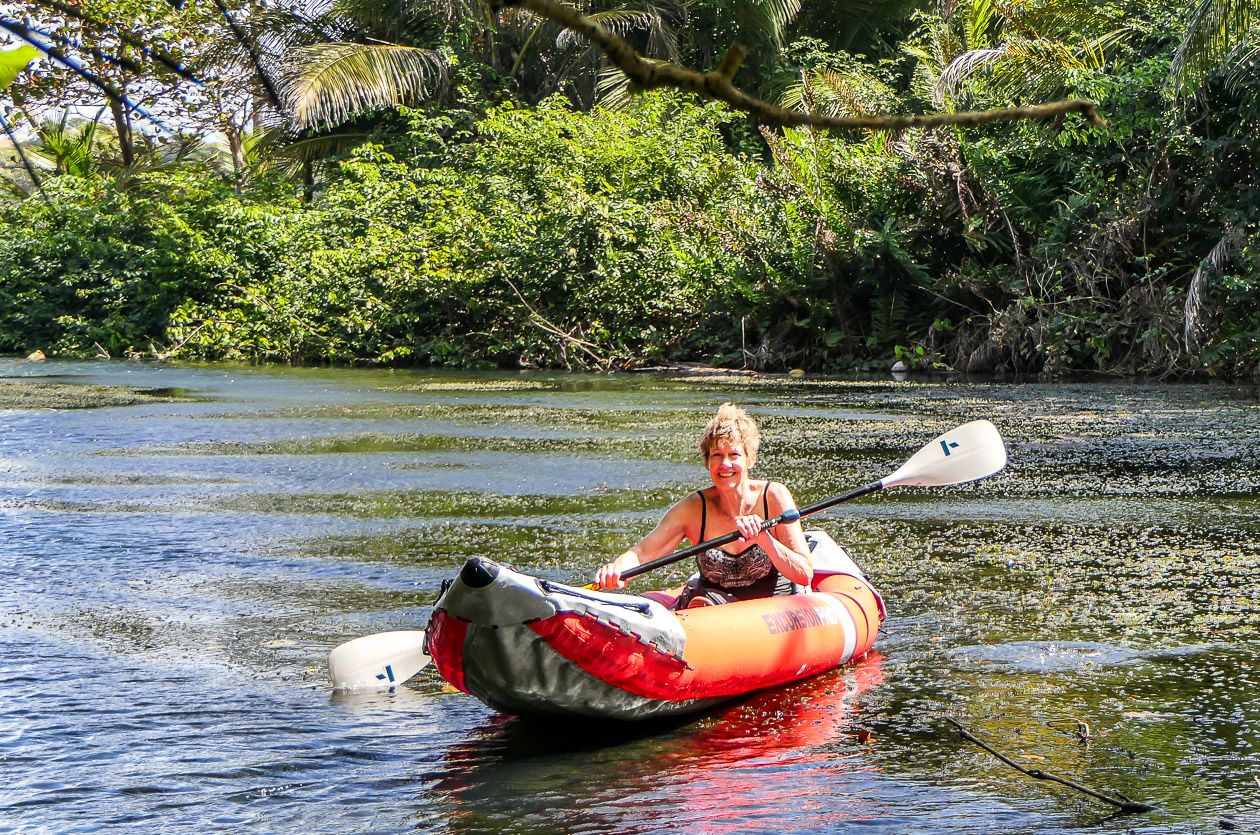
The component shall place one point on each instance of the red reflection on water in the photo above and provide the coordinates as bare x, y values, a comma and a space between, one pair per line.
781, 755
787, 758
811, 712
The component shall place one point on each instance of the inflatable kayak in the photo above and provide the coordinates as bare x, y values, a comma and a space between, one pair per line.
523, 645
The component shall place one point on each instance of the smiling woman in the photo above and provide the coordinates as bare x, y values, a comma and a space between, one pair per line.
762, 562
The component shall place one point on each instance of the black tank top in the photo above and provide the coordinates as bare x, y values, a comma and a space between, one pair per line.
732, 571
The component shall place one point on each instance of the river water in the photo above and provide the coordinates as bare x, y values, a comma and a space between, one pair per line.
174, 571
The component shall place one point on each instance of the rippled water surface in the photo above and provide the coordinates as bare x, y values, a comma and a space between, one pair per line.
181, 546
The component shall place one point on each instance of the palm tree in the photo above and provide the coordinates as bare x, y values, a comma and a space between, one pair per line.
1218, 28
707, 28
90, 149
329, 83
562, 59
337, 58
1011, 49
345, 57
69, 148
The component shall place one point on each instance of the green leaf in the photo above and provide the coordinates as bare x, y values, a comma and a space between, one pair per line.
334, 81
13, 61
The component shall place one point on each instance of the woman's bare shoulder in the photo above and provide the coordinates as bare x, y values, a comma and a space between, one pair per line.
689, 505
780, 494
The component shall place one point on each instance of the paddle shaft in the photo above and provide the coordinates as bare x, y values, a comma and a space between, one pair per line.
790, 515
966, 453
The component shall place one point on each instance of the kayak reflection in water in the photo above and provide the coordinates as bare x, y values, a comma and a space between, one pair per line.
760, 563
721, 773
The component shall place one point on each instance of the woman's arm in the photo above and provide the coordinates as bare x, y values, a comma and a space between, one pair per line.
785, 543
664, 538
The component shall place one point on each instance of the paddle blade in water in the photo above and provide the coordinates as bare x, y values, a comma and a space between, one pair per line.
383, 660
972, 451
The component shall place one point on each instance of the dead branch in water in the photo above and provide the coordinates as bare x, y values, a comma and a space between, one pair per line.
716, 84
1123, 803
566, 338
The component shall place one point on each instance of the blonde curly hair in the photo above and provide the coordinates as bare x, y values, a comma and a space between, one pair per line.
733, 425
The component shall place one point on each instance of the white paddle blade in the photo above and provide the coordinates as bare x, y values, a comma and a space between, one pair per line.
972, 451
378, 661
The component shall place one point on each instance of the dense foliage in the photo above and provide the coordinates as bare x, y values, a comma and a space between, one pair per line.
496, 227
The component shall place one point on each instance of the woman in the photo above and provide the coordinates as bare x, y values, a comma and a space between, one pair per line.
760, 563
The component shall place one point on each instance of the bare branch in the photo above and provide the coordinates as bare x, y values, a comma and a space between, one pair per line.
1123, 803
26, 163
566, 338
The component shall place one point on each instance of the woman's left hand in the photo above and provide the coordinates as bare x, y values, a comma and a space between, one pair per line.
749, 526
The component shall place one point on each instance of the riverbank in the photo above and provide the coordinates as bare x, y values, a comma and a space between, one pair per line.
551, 247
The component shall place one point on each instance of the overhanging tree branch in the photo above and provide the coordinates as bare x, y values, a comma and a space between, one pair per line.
159, 55
27, 34
717, 84
255, 58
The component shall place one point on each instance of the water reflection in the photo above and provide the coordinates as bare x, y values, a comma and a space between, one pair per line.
801, 748
1064, 656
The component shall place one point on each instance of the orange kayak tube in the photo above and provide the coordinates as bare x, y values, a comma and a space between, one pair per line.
529, 646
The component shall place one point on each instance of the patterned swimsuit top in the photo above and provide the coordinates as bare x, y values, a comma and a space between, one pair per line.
734, 571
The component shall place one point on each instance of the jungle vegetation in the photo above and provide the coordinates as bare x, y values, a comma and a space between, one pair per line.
447, 182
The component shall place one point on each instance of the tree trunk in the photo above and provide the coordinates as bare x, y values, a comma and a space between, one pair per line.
122, 124
308, 181
236, 145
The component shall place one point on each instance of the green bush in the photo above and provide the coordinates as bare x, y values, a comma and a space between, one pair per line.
98, 267
591, 240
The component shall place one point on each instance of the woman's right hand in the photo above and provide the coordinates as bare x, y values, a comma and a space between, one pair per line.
609, 576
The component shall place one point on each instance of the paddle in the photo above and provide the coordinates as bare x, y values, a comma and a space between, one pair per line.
967, 453
970, 452
383, 660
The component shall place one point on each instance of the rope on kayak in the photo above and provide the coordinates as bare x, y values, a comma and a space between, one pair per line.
1120, 801
556, 588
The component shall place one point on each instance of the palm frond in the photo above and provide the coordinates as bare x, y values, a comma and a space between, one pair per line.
281, 29
1216, 28
660, 19
925, 79
316, 148
934, 48
618, 21
1020, 68
1065, 19
1242, 75
769, 18
276, 150
69, 149
979, 23
1215, 262
397, 17
663, 40
839, 93
612, 90
332, 82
